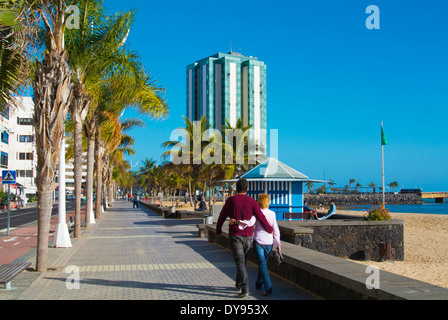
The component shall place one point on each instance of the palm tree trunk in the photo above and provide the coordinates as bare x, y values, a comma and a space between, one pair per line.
210, 195
89, 179
90, 131
224, 193
44, 205
105, 181
189, 190
99, 175
161, 198
78, 111
111, 185
77, 170
52, 90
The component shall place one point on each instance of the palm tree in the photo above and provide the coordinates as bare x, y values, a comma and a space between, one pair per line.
93, 52
121, 172
372, 185
224, 155
145, 169
98, 154
310, 186
90, 127
237, 147
191, 151
129, 87
393, 185
142, 95
156, 178
143, 175
115, 144
331, 183
350, 183
117, 161
237, 154
109, 138
52, 89
177, 182
396, 185
13, 53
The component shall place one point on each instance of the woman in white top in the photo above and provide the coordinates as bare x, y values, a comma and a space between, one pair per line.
263, 242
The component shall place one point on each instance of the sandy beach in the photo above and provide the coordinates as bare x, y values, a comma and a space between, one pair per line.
425, 248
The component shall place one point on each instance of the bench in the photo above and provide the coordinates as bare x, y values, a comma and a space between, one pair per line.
9, 271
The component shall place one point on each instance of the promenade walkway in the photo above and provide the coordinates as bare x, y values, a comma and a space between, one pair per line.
134, 254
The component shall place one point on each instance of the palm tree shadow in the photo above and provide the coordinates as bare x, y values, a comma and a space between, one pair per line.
217, 291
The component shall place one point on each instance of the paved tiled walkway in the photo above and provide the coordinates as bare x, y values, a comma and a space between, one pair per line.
133, 254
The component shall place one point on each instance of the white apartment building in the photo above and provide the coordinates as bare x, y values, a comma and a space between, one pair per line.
18, 148
70, 175
18, 145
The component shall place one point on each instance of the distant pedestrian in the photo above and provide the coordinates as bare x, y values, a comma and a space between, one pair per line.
241, 207
136, 199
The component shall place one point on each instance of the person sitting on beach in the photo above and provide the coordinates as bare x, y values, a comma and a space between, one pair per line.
202, 205
332, 207
307, 209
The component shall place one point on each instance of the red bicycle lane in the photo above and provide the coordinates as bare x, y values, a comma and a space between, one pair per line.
22, 240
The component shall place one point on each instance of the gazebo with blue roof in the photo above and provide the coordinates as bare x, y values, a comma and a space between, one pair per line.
283, 184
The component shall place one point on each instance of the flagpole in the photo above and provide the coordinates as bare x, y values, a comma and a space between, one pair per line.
382, 160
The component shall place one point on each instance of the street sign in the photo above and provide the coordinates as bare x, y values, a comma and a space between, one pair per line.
9, 176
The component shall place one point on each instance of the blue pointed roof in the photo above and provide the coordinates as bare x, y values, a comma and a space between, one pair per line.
273, 169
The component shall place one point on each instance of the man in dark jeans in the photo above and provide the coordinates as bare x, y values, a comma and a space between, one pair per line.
241, 207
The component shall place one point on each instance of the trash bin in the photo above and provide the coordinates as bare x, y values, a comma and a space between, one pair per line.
385, 251
208, 219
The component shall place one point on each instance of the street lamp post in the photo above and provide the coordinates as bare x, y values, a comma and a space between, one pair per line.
62, 236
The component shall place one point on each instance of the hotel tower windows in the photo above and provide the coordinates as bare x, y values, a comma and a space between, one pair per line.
229, 87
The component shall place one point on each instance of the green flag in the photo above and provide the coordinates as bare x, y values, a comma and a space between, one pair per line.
384, 141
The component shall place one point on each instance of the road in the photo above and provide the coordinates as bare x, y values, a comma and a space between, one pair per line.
27, 216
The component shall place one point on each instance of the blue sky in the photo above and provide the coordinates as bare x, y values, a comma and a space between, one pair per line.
331, 81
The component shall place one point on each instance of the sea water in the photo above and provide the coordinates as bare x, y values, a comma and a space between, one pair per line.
428, 207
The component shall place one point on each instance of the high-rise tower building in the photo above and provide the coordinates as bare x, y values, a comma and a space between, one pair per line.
229, 86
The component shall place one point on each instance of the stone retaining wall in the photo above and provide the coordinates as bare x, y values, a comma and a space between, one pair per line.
356, 239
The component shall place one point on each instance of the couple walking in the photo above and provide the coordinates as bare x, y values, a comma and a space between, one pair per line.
244, 213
